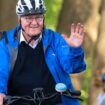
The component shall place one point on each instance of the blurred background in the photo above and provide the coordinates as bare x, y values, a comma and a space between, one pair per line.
60, 14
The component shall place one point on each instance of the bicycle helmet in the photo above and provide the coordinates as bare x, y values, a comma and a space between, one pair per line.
30, 7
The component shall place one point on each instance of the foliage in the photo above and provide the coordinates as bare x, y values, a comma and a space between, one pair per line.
86, 81
52, 13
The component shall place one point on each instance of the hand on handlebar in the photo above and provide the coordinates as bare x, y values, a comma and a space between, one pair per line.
1, 98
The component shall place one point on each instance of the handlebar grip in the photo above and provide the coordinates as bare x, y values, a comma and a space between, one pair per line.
75, 92
4, 101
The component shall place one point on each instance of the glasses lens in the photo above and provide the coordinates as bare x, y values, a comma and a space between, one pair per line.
37, 18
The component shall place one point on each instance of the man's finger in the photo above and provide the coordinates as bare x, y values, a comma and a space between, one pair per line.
73, 28
78, 26
81, 30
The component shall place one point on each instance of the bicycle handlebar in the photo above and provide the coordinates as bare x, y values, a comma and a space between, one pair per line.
39, 95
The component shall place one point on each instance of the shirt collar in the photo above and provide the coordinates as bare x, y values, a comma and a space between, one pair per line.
22, 39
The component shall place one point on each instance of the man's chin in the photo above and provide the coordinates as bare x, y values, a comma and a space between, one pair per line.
35, 34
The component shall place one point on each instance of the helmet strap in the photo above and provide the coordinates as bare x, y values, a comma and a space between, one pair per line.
31, 37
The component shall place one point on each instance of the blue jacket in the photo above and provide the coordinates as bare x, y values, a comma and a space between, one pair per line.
61, 59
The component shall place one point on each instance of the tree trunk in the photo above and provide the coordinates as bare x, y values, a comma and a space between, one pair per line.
99, 60
8, 17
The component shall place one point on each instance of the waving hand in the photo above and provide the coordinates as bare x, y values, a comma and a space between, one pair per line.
77, 35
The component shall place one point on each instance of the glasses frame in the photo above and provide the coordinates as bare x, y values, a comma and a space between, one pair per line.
31, 18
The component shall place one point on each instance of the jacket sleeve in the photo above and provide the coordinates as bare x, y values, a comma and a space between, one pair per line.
4, 66
70, 59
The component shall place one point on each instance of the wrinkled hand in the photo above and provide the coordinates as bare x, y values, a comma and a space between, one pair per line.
77, 35
1, 98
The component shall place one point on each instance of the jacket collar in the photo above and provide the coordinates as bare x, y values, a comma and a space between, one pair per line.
13, 36
47, 38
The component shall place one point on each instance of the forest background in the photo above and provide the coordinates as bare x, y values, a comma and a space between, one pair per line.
59, 16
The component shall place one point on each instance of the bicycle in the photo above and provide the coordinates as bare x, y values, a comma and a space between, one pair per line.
39, 97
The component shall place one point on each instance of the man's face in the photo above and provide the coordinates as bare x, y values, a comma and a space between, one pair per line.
32, 24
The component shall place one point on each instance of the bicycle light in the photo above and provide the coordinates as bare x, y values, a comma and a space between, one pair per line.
60, 87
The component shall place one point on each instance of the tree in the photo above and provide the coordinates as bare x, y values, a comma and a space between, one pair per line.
99, 59
8, 17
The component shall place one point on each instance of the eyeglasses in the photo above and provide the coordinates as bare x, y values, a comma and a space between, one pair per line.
29, 19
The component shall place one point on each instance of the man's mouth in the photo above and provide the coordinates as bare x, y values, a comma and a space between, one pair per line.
34, 27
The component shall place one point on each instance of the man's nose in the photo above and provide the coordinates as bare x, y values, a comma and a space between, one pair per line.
34, 21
